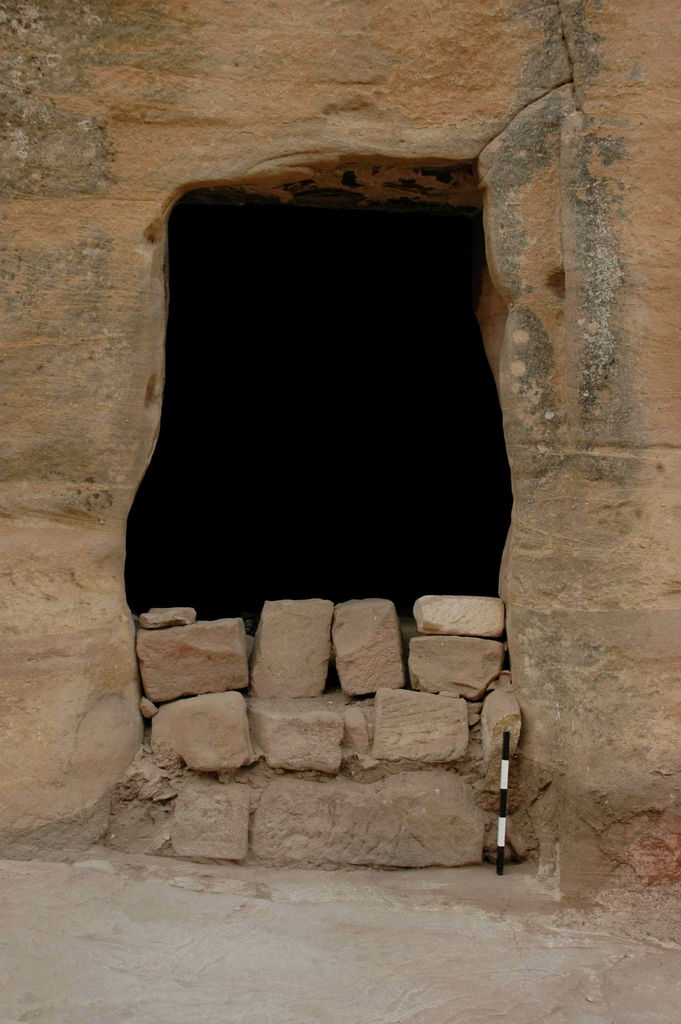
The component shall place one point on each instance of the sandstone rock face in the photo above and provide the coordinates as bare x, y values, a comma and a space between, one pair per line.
368, 646
205, 657
159, 618
292, 649
460, 616
462, 664
500, 712
297, 734
591, 413
211, 820
419, 726
414, 819
209, 733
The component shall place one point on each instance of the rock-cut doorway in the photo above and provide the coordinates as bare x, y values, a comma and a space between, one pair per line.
330, 425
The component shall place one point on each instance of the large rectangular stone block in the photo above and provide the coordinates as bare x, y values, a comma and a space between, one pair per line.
209, 733
460, 616
203, 657
459, 664
211, 820
297, 734
419, 726
413, 819
368, 646
292, 648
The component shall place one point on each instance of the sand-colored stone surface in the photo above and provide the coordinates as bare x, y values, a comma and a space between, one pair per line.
143, 939
569, 113
356, 733
203, 657
160, 618
460, 616
412, 819
367, 645
419, 726
209, 733
211, 820
500, 713
297, 734
292, 649
464, 665
147, 708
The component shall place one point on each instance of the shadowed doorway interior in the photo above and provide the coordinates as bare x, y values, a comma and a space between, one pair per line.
330, 426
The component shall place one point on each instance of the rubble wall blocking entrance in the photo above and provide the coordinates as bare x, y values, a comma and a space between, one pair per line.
558, 108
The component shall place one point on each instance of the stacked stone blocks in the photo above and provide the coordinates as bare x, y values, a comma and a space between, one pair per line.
380, 772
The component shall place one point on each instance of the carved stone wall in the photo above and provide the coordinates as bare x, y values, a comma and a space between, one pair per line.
568, 112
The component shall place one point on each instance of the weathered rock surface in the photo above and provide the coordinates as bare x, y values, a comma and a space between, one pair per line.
145, 780
209, 733
368, 645
297, 734
500, 711
464, 664
211, 820
413, 819
419, 726
292, 648
159, 618
460, 616
360, 944
204, 657
591, 412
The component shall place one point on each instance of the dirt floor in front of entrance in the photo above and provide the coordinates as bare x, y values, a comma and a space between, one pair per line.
117, 939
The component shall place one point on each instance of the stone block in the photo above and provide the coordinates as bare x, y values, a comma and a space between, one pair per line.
368, 646
292, 649
160, 618
463, 664
500, 711
414, 819
203, 657
419, 726
211, 820
460, 616
356, 732
147, 709
209, 733
297, 734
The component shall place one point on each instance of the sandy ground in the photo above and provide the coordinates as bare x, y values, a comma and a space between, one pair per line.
119, 939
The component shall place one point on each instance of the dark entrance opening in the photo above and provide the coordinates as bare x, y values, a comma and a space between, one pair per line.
330, 425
